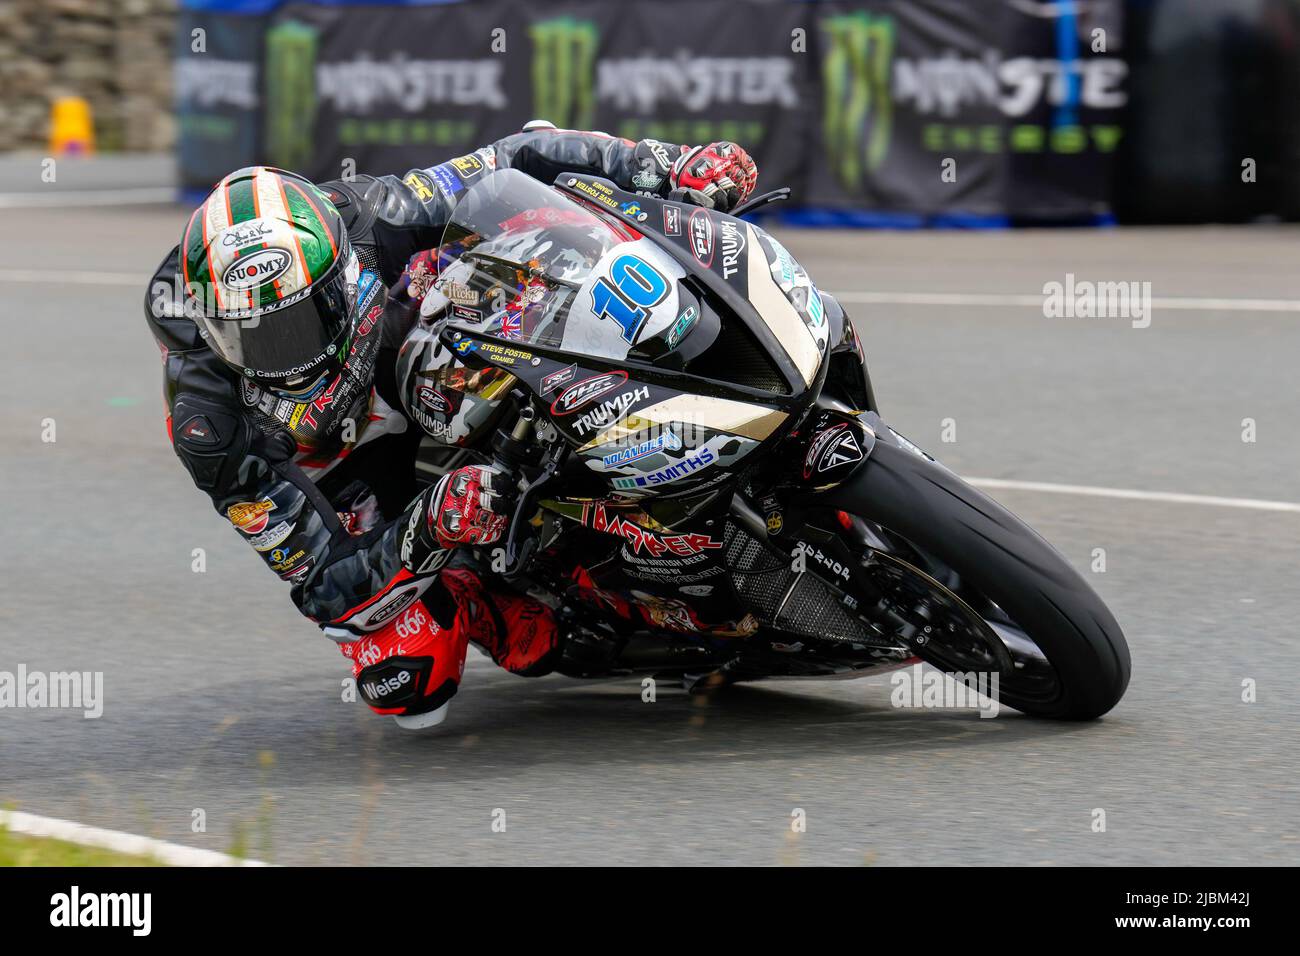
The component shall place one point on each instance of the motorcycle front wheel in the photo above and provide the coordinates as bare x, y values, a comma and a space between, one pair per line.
974, 589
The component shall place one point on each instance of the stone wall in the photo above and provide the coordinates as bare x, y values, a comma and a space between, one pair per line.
115, 53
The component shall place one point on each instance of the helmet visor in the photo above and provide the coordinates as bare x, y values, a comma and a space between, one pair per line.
289, 341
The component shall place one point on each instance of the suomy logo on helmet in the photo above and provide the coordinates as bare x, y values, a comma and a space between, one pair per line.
257, 269
589, 389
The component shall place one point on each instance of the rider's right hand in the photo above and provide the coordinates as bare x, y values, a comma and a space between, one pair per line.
467, 507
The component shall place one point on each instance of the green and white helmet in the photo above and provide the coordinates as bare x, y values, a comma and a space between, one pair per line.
271, 279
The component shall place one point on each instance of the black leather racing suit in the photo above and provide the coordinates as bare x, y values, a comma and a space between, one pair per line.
337, 515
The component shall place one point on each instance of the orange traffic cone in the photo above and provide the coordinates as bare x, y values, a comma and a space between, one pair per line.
72, 131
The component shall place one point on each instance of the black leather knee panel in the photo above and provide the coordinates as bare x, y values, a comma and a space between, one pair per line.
210, 441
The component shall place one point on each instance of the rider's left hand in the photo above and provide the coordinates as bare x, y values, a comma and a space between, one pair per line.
722, 171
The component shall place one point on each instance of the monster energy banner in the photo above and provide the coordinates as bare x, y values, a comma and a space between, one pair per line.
382, 89
389, 88
921, 108
217, 93
993, 109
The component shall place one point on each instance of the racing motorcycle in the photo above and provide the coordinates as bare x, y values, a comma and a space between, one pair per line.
705, 486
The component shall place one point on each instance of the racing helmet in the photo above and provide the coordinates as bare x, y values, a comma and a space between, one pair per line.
271, 280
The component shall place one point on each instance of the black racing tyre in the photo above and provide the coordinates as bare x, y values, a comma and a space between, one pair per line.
994, 553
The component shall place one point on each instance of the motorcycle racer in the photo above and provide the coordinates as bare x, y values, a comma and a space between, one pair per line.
279, 342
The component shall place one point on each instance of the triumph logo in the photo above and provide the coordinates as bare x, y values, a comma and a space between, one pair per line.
610, 411
588, 390
733, 245
832, 448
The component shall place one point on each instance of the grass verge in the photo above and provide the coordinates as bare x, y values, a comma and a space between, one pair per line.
17, 849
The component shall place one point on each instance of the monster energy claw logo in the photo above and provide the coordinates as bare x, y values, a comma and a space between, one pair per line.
858, 106
290, 93
564, 65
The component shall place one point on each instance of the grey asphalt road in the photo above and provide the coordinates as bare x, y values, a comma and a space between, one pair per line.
219, 697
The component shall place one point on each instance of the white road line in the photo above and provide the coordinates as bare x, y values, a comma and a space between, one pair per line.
951, 299
173, 854
72, 198
960, 299
1168, 497
53, 278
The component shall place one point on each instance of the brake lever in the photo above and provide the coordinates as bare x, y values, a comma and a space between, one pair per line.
519, 555
757, 202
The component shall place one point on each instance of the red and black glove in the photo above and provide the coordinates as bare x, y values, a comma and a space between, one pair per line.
465, 508
723, 172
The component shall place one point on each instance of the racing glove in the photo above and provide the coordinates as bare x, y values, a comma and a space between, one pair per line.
467, 507
464, 508
722, 171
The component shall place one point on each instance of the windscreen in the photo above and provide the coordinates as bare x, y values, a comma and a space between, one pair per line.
515, 255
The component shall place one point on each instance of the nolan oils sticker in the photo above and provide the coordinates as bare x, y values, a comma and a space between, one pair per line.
257, 269
632, 453
271, 537
251, 517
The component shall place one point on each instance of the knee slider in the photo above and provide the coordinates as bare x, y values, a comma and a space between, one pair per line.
402, 685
